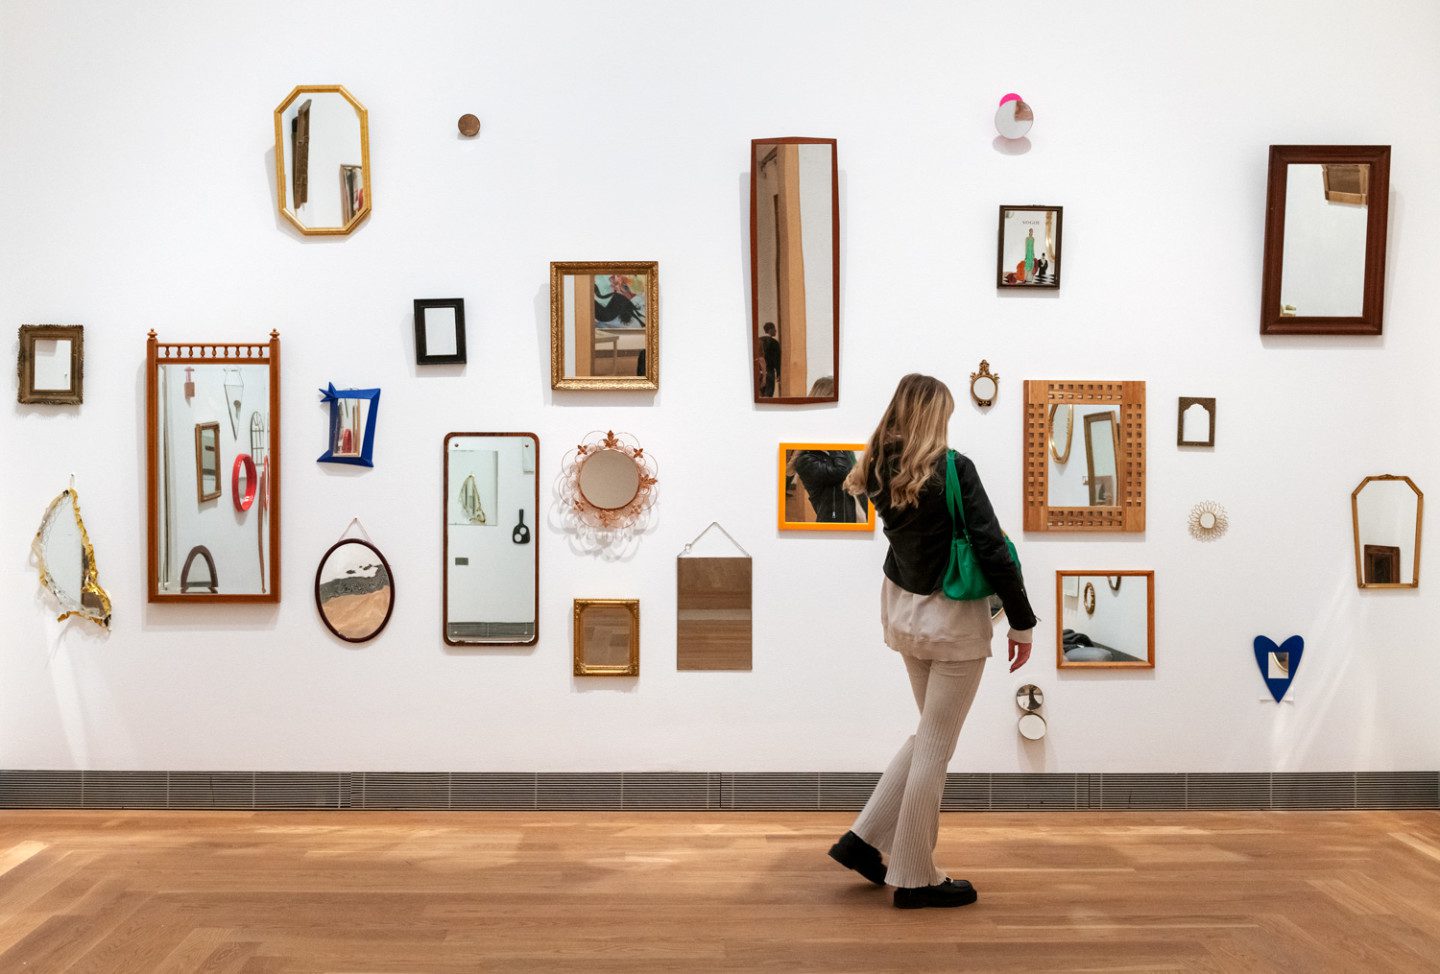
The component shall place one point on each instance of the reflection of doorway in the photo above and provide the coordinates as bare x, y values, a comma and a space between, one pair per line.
1102, 451
1382, 564
781, 285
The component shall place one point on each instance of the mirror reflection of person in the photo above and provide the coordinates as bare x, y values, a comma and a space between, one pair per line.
943, 643
769, 360
822, 473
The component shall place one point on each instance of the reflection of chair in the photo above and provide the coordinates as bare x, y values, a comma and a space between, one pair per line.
632, 338
1382, 564
210, 584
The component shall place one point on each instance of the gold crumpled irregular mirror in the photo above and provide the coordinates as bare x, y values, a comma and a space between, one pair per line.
67, 562
322, 159
1388, 512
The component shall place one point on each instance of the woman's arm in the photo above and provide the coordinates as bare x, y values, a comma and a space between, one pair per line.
821, 468
988, 543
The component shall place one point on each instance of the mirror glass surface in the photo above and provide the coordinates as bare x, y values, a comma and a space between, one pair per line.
1013, 119
1277, 666
323, 158
1029, 697
1116, 632
491, 587
440, 331
984, 388
814, 491
1032, 727
606, 632
1195, 424
354, 591
607, 317
1387, 518
63, 556
609, 479
1326, 219
796, 270
1088, 476
50, 364
194, 443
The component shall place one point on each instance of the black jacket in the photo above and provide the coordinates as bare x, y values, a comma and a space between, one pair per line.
919, 539
822, 472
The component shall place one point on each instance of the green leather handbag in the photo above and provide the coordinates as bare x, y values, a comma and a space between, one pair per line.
963, 578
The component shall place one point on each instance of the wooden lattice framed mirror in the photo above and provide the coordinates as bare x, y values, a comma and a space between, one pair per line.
1101, 490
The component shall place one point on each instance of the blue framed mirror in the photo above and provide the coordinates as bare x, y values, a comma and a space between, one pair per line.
353, 413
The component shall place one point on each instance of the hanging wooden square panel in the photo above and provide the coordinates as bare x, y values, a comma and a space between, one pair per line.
713, 598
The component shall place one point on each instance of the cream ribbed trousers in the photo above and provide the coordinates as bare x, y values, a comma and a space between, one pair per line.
902, 817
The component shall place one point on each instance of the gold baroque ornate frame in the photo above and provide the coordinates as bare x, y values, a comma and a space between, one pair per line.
281, 161
632, 666
559, 269
1129, 515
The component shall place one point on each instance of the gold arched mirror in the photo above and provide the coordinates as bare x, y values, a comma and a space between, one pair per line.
1387, 511
322, 160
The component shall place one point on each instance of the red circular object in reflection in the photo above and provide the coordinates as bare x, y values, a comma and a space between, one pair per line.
244, 467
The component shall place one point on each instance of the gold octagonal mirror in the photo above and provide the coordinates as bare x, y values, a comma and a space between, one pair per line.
1388, 512
322, 160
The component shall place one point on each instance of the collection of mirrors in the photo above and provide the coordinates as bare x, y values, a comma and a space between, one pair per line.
196, 397
51, 367
607, 637
1102, 623
795, 269
1326, 221
812, 495
491, 561
322, 160
1387, 512
605, 325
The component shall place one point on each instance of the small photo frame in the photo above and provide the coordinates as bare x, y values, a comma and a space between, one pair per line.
1195, 422
607, 637
353, 413
1028, 255
52, 364
812, 496
439, 331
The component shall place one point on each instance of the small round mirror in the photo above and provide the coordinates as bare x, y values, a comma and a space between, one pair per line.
609, 479
1013, 118
984, 388
1032, 727
1029, 698
1207, 520
354, 591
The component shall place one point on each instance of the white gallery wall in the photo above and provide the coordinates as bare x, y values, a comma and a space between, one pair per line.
137, 187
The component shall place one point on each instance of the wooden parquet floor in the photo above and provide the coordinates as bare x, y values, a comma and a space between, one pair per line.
246, 893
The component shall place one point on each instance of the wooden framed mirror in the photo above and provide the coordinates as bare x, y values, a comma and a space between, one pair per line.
491, 560
607, 637
1326, 222
322, 160
194, 392
1105, 489
1387, 513
605, 324
795, 270
1195, 421
1104, 626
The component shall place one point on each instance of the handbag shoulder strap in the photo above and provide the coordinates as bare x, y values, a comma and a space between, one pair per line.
952, 498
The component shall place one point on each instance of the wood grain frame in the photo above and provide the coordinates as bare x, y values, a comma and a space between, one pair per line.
201, 494
866, 525
25, 365
1149, 662
1129, 515
1355, 526
1206, 403
280, 164
534, 544
755, 354
210, 353
1371, 319
559, 270
1054, 285
632, 666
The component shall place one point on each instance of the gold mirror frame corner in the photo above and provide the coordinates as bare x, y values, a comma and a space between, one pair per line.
632, 667
1355, 527
281, 191
650, 381
1041, 396
90, 580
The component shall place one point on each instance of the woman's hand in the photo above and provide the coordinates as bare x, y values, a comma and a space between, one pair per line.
1019, 655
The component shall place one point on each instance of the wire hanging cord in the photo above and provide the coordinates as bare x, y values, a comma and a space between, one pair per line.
355, 522
713, 524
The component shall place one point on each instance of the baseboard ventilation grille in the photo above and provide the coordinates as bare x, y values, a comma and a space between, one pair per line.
640, 791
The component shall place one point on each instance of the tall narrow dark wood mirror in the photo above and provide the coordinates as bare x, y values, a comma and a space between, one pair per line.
795, 270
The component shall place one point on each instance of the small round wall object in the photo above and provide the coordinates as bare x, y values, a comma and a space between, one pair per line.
1208, 521
1030, 699
1014, 117
1032, 727
243, 481
469, 125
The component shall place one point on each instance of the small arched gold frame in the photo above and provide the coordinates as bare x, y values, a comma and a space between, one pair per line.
280, 182
1355, 523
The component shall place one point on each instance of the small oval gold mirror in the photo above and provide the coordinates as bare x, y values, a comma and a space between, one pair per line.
984, 385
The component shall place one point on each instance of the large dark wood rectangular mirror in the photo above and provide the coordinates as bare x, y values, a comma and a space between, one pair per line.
1326, 219
795, 270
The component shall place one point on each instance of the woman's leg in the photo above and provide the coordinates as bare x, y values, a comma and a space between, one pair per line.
948, 694
876, 823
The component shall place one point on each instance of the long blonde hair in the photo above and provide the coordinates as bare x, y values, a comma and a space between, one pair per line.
911, 437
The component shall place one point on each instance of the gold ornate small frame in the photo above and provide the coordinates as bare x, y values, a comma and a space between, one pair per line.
25, 367
1040, 399
583, 665
587, 269
367, 203
1088, 598
94, 600
984, 373
1362, 552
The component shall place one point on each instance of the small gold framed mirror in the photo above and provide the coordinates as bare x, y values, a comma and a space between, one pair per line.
605, 324
1387, 513
52, 364
322, 160
1104, 490
607, 637
984, 385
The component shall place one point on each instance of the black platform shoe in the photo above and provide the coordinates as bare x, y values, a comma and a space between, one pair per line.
950, 893
855, 853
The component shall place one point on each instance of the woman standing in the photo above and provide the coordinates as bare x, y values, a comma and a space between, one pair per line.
943, 643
